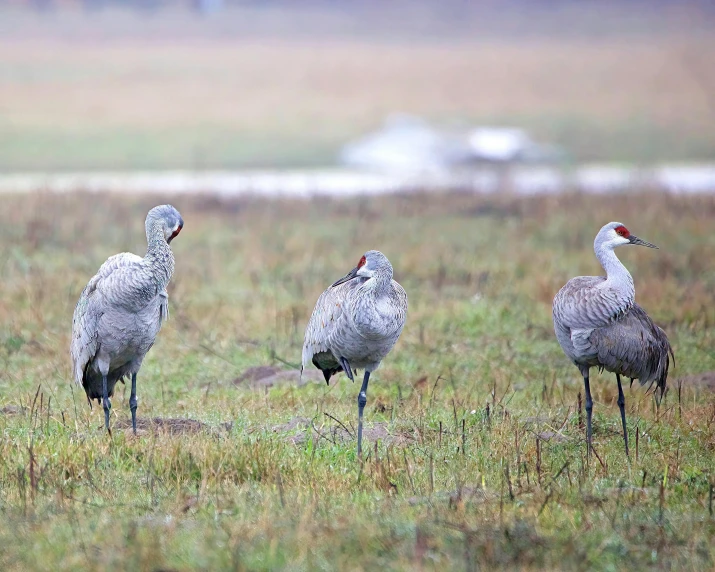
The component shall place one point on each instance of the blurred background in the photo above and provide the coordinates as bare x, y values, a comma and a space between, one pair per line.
301, 96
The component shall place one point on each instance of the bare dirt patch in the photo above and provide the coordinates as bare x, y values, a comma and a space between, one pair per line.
704, 380
373, 432
265, 376
12, 410
170, 426
291, 425
552, 436
301, 436
301, 428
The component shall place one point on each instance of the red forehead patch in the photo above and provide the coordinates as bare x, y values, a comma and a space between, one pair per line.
622, 231
362, 262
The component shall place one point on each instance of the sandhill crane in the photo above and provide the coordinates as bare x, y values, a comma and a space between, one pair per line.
355, 324
120, 312
598, 323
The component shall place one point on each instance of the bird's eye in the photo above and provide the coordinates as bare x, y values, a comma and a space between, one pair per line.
362, 262
622, 231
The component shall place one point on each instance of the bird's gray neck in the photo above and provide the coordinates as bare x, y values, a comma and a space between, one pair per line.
617, 276
371, 310
373, 291
159, 257
379, 283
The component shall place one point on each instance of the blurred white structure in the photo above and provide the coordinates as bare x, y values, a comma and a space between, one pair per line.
404, 143
508, 145
499, 144
407, 143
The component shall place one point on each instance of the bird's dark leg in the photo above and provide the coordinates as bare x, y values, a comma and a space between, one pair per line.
622, 407
105, 403
362, 400
589, 411
133, 403
347, 369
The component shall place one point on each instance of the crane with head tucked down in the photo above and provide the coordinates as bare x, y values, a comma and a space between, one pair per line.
120, 312
355, 324
598, 324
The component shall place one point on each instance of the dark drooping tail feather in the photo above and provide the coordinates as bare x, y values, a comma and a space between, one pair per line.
326, 363
665, 352
634, 346
92, 381
329, 372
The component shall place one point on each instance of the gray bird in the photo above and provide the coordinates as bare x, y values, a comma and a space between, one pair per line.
355, 324
120, 312
598, 323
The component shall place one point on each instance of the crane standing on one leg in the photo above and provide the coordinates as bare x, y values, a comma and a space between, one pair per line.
355, 324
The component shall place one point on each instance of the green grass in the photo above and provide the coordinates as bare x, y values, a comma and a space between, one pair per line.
464, 474
131, 148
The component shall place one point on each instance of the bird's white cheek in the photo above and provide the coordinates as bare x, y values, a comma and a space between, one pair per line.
618, 241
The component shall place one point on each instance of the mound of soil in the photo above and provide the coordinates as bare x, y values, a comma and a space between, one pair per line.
372, 432
170, 426
12, 410
264, 376
294, 423
552, 436
705, 380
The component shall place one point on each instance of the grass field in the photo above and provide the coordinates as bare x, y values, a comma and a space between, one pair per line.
125, 91
476, 457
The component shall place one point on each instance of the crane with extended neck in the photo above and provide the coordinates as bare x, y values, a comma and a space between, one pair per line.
598, 324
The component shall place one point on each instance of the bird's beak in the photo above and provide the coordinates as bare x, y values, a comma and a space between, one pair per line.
349, 276
635, 240
176, 232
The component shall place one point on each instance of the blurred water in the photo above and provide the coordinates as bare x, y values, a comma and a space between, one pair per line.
522, 180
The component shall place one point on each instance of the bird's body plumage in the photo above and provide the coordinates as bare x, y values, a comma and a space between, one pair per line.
598, 323
354, 321
115, 322
120, 311
620, 338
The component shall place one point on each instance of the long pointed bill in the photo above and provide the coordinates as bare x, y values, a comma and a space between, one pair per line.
349, 276
176, 232
635, 240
